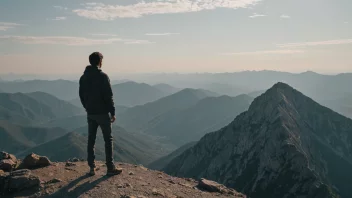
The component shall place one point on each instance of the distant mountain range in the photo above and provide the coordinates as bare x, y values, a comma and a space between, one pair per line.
131, 94
62, 89
34, 108
16, 138
144, 117
285, 145
193, 122
128, 147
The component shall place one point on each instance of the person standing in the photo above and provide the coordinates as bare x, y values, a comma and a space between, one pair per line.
97, 99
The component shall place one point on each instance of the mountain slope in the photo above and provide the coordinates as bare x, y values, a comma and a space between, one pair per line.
60, 108
22, 109
63, 148
15, 138
73, 122
168, 89
284, 138
207, 115
137, 119
62, 89
160, 163
128, 147
34, 108
131, 93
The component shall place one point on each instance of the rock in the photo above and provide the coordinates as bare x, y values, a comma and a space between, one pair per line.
131, 173
21, 172
127, 196
211, 186
74, 160
127, 185
35, 161
68, 164
157, 193
18, 181
7, 165
160, 176
4, 155
53, 181
171, 181
44, 161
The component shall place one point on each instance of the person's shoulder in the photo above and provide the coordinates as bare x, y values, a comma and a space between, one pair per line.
103, 74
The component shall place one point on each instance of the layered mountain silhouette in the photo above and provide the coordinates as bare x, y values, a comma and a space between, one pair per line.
129, 94
16, 138
160, 163
33, 108
62, 89
192, 123
73, 122
128, 147
139, 118
168, 89
285, 145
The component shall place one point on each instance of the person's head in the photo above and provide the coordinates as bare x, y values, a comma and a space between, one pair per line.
96, 59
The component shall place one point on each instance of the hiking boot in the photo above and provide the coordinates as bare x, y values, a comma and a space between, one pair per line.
113, 171
92, 171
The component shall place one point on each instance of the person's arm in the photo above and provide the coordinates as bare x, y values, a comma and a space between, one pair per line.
81, 92
108, 95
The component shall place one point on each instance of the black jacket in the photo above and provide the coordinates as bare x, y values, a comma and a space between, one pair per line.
95, 92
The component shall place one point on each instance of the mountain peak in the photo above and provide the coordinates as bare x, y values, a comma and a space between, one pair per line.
284, 137
278, 96
281, 85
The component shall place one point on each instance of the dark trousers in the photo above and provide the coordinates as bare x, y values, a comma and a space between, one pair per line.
94, 121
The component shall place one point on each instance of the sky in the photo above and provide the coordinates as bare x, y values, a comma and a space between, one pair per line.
184, 36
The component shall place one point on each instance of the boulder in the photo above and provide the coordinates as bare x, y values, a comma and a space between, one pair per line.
211, 186
7, 165
35, 161
18, 181
4, 155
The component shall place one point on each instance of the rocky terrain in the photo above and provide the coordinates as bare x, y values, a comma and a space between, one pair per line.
37, 176
285, 145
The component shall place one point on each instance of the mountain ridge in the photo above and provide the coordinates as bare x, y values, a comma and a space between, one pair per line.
284, 137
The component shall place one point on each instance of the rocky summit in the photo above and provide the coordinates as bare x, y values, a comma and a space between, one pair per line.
285, 145
70, 179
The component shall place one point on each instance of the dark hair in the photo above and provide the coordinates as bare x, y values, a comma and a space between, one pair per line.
95, 58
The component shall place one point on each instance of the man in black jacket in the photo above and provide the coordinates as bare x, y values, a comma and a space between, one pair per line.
97, 98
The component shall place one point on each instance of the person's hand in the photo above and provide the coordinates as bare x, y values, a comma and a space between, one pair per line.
113, 118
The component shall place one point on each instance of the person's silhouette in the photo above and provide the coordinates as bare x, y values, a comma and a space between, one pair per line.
97, 98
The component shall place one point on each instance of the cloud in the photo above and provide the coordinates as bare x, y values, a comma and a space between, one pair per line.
255, 15
265, 52
5, 26
130, 42
346, 22
101, 11
161, 34
58, 19
71, 41
316, 43
111, 35
60, 7
285, 16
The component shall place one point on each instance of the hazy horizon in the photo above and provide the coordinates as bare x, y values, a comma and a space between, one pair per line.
133, 76
184, 36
